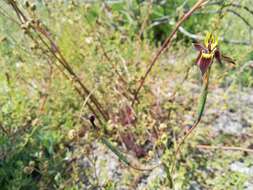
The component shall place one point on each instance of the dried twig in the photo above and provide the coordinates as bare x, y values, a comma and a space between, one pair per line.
44, 36
234, 148
144, 23
167, 44
44, 98
221, 3
199, 37
3, 129
241, 17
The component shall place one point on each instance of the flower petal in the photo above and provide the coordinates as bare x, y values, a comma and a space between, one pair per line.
207, 38
198, 46
217, 56
198, 59
203, 64
227, 59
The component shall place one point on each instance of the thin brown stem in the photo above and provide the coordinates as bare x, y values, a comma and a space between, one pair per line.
167, 45
173, 96
48, 81
234, 148
75, 78
45, 38
145, 21
3, 129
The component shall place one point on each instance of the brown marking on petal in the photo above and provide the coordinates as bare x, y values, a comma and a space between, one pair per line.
209, 47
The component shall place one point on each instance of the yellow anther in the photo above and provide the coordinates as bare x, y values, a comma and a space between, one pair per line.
207, 55
211, 39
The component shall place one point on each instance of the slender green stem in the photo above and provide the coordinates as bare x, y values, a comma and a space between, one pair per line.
122, 157
115, 150
200, 110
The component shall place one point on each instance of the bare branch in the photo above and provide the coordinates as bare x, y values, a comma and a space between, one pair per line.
200, 37
167, 44
234, 148
241, 17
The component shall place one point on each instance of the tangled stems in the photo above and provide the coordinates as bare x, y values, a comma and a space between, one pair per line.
105, 141
34, 28
167, 44
201, 107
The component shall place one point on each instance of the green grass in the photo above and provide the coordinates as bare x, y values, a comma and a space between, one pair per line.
45, 121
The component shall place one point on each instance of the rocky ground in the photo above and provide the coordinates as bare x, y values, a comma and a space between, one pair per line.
228, 112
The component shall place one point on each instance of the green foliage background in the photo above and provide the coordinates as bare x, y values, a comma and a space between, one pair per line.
101, 39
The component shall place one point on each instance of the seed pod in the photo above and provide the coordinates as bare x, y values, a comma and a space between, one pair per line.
72, 134
32, 163
27, 4
33, 7
28, 169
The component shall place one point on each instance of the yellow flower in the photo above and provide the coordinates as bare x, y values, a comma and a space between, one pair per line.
208, 52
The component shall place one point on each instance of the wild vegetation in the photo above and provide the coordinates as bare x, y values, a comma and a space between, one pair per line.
126, 94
